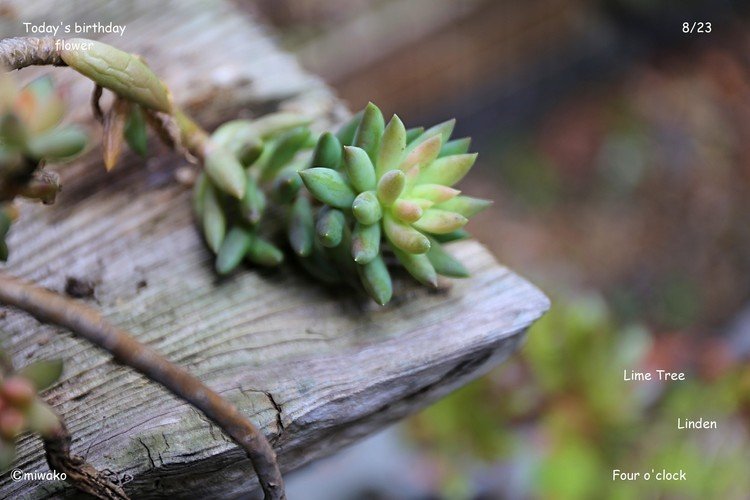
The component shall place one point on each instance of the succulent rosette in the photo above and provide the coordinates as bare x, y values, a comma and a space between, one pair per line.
342, 198
396, 186
30, 136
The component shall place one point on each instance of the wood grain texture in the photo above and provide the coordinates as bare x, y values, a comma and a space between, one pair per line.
315, 368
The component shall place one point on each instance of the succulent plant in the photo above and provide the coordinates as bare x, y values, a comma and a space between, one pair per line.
395, 186
30, 136
21, 409
341, 197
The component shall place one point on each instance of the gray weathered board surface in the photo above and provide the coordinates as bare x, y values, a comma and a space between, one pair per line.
315, 368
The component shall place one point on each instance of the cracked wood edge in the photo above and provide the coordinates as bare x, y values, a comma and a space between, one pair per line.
316, 369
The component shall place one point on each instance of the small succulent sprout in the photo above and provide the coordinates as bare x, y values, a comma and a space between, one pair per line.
346, 133
39, 105
301, 229
214, 221
413, 133
370, 131
286, 185
444, 263
328, 186
273, 124
366, 208
264, 253
122, 73
327, 152
58, 144
365, 242
456, 147
136, 133
225, 170
376, 280
21, 409
233, 249
253, 203
390, 187
330, 227
284, 148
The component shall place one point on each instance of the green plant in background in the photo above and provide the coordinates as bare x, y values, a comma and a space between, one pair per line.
30, 136
562, 414
21, 409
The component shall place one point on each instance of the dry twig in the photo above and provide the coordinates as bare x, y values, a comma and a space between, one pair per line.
86, 322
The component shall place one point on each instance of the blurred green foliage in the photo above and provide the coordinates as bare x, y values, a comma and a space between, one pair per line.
562, 416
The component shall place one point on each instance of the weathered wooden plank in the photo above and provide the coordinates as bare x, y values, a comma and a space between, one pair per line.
315, 368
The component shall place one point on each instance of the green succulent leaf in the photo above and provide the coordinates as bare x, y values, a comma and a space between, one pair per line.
328, 186
390, 187
135, 131
460, 234
234, 247
199, 194
330, 227
436, 193
413, 133
365, 243
253, 202
465, 205
444, 263
456, 147
42, 373
41, 419
359, 168
406, 210
327, 152
422, 155
366, 208
448, 170
404, 237
376, 280
225, 171
286, 185
346, 133
273, 124
285, 148
438, 221
392, 147
264, 253
301, 228
57, 144
370, 130
444, 130
39, 105
214, 220
319, 266
419, 266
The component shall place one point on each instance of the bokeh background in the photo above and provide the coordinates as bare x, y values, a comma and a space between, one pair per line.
616, 149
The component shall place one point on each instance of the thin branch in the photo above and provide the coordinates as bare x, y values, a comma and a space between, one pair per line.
20, 52
86, 322
81, 474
